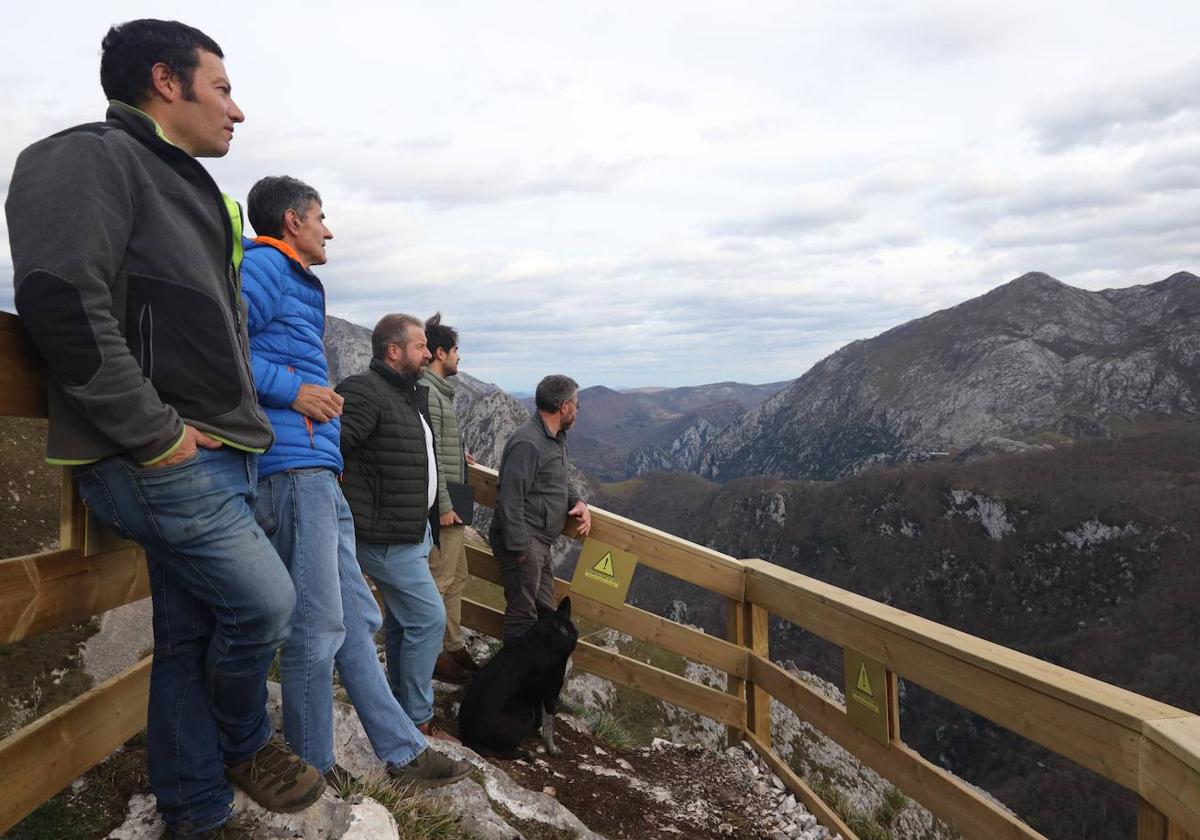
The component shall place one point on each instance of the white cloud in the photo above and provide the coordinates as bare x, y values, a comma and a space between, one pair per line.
633, 195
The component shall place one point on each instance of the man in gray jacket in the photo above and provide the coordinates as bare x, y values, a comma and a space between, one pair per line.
126, 257
448, 559
533, 503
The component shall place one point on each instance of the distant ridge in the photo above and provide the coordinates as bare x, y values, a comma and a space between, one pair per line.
1031, 362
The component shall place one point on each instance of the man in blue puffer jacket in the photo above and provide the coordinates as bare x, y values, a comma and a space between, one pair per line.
300, 504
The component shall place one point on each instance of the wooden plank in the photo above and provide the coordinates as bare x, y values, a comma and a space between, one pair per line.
1151, 824
1170, 771
655, 549
710, 702
950, 798
758, 702
735, 631
22, 381
72, 515
46, 756
688, 642
630, 673
816, 806
39, 592
1105, 700
1090, 722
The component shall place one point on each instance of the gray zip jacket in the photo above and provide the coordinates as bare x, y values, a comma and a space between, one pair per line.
534, 494
125, 258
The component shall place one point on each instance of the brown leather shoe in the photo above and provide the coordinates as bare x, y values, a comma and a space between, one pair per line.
450, 671
432, 729
463, 657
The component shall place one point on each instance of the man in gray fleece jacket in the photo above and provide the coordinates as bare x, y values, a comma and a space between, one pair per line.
533, 503
126, 259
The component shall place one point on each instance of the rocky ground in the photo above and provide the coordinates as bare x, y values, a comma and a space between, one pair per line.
592, 790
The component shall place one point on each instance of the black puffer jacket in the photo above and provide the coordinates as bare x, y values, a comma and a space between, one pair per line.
386, 480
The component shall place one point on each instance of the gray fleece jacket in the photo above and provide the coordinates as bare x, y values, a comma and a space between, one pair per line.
535, 493
125, 258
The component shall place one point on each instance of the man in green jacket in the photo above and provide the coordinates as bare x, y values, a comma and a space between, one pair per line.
448, 559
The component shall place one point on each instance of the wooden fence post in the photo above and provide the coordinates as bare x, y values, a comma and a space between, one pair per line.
735, 632
72, 516
1152, 824
758, 702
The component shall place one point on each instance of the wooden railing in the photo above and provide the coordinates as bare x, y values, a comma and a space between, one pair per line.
1148, 747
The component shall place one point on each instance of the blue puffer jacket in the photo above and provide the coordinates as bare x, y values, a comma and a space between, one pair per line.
286, 321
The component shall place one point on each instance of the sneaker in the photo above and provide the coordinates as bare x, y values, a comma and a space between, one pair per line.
340, 780
239, 827
448, 670
428, 770
432, 729
464, 659
278, 779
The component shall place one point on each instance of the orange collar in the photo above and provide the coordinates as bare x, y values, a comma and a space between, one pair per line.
283, 247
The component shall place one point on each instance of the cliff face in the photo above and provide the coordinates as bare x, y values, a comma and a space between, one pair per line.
1033, 360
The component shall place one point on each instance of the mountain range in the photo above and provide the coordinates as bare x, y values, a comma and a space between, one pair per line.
1032, 362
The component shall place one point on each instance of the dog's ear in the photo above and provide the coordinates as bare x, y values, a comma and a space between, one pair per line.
564, 607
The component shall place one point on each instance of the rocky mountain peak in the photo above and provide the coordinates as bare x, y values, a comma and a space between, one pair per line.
1029, 361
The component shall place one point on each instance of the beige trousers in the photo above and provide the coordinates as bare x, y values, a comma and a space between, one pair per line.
448, 564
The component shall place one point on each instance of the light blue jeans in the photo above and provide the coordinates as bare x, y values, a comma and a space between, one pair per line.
308, 521
222, 602
415, 620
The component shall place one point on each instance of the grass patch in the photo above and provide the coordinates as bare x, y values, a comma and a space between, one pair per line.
39, 674
605, 727
417, 817
893, 803
866, 827
621, 488
97, 806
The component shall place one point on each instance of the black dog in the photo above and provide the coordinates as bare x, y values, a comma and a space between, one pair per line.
518, 688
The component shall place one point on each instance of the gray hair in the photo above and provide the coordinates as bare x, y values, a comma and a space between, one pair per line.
392, 329
553, 391
272, 197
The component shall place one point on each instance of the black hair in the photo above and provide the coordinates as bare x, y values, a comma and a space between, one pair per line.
440, 336
130, 49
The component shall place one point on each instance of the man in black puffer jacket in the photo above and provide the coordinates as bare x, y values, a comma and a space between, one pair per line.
391, 484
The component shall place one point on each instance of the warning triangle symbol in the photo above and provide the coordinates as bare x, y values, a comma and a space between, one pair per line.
864, 683
604, 565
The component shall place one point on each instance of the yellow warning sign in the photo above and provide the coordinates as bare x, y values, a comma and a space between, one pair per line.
603, 573
866, 694
864, 681
604, 565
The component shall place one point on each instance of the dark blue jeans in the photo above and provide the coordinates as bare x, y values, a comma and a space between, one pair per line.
222, 606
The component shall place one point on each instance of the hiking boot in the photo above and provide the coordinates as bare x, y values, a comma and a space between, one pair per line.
432, 729
429, 770
278, 779
464, 659
448, 670
238, 827
340, 780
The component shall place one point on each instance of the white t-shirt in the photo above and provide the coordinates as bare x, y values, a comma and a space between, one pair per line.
431, 495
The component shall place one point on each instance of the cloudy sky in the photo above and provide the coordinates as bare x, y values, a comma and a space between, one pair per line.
684, 192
